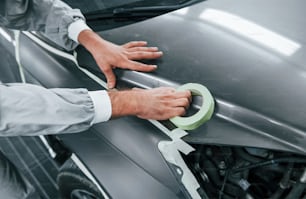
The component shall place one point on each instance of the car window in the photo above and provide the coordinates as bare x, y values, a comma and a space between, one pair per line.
100, 5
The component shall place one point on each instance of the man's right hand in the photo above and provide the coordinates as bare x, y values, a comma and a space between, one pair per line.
158, 103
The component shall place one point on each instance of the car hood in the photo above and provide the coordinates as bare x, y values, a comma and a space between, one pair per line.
250, 56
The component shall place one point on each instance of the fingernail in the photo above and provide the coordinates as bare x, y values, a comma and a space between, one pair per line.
109, 86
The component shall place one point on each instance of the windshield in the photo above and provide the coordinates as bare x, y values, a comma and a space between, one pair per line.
101, 5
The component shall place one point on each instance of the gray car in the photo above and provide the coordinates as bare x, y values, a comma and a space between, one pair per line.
249, 54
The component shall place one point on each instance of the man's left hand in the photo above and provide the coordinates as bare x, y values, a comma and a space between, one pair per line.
109, 56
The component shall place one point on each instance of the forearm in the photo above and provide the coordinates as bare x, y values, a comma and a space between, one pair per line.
32, 110
124, 103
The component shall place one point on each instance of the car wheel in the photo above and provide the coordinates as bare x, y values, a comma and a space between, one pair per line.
73, 184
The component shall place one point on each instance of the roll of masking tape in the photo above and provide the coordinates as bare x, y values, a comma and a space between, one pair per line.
205, 112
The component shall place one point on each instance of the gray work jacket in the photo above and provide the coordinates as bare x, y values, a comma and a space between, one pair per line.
33, 110
51, 17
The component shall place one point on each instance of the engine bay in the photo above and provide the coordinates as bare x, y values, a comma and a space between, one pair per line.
239, 172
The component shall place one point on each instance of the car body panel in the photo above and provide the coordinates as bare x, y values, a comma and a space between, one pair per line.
127, 170
259, 102
257, 85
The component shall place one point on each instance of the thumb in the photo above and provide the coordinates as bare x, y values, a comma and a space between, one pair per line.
110, 77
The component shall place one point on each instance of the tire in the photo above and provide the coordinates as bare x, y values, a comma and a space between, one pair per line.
73, 184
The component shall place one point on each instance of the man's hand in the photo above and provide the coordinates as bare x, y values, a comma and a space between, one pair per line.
109, 56
158, 103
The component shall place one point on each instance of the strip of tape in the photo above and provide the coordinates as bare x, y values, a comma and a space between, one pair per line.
170, 151
205, 112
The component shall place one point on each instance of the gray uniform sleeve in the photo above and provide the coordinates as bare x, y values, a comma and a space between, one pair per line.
51, 17
32, 110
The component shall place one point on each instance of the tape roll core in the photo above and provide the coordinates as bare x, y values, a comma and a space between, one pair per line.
205, 112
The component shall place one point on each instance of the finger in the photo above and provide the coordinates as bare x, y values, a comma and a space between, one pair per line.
134, 65
182, 102
110, 77
142, 49
135, 44
183, 94
179, 111
144, 55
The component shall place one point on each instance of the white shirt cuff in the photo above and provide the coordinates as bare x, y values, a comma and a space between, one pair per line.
75, 28
102, 106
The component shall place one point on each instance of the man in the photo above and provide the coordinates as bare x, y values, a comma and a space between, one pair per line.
32, 110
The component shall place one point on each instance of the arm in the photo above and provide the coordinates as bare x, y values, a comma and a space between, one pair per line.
66, 27
160, 104
33, 110
51, 17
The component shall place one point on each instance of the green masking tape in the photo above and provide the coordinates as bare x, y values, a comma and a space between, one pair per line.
205, 112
